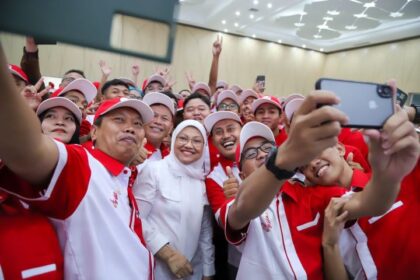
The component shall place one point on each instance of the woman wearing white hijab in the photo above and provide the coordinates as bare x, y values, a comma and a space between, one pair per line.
173, 205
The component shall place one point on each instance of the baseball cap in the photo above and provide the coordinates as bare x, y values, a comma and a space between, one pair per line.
225, 95
245, 94
201, 86
250, 130
60, 102
128, 81
159, 98
290, 98
82, 85
142, 108
215, 117
222, 84
17, 71
292, 106
155, 78
266, 99
236, 89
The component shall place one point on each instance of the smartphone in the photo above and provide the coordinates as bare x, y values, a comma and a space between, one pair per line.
367, 105
401, 97
261, 82
43, 41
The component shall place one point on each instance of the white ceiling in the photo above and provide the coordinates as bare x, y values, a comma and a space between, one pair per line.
321, 25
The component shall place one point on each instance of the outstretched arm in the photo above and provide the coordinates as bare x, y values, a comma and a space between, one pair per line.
217, 49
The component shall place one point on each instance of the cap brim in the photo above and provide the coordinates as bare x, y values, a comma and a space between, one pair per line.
142, 108
84, 86
254, 129
156, 78
159, 98
60, 102
213, 118
225, 95
257, 103
245, 94
292, 106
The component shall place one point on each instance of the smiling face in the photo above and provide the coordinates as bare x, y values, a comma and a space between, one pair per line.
196, 109
120, 134
160, 126
228, 105
225, 137
189, 145
246, 109
269, 115
249, 165
115, 91
59, 123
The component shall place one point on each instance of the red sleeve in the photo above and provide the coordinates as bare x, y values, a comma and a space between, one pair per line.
234, 237
68, 185
215, 195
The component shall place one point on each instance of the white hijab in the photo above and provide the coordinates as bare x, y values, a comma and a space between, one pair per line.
195, 169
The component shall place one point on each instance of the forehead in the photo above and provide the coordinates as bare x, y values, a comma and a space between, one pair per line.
254, 142
228, 101
125, 111
225, 123
161, 109
154, 84
250, 99
119, 87
59, 110
267, 106
191, 131
73, 75
195, 102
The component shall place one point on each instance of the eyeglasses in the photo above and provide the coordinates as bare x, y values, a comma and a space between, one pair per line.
228, 107
252, 152
184, 140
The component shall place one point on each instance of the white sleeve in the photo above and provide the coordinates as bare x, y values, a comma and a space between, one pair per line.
145, 190
206, 243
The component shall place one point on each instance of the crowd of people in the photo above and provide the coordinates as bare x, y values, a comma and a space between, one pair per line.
128, 179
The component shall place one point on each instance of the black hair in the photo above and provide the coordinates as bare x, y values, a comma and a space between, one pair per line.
80, 72
114, 82
196, 95
75, 137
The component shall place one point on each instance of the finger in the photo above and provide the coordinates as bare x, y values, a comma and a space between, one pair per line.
316, 98
44, 92
393, 84
349, 157
342, 217
229, 172
38, 84
409, 142
324, 115
189, 268
323, 132
397, 134
221, 40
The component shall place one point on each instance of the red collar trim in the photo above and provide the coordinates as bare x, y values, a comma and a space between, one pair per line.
290, 189
164, 150
111, 164
359, 179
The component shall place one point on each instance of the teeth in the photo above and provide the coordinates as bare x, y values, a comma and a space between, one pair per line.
321, 171
227, 144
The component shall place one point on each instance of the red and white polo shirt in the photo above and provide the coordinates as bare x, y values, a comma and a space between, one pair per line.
87, 201
285, 241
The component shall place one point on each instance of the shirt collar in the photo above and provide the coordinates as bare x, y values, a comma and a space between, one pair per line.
111, 164
291, 190
163, 149
359, 179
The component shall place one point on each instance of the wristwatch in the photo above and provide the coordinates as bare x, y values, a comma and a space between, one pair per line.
417, 115
270, 164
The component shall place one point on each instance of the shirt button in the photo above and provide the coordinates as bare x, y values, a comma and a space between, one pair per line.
125, 171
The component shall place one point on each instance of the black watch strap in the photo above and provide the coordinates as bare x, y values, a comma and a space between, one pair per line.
417, 115
270, 164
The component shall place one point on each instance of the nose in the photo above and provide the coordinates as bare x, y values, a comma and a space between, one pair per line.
314, 164
129, 129
261, 154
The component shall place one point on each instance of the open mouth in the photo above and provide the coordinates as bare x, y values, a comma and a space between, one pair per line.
187, 152
59, 130
228, 144
156, 129
321, 170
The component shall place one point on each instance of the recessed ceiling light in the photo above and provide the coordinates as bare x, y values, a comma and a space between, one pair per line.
362, 15
236, 24
316, 36
303, 46
396, 14
255, 2
223, 21
225, 30
269, 5
253, 36
327, 18
351, 27
321, 49
251, 16
323, 26
237, 13
369, 5
333, 13
279, 41
299, 24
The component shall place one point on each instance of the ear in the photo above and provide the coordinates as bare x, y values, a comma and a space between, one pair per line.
341, 149
94, 134
242, 175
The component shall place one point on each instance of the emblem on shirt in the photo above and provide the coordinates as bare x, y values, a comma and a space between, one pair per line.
266, 221
114, 199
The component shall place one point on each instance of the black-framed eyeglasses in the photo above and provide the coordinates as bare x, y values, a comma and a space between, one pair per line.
228, 107
252, 152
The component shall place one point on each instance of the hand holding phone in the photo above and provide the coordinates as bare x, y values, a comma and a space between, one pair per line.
260, 80
367, 105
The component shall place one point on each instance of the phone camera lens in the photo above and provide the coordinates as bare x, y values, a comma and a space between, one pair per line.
384, 91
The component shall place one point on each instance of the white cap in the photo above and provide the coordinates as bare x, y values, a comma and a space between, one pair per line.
215, 117
128, 81
222, 84
245, 94
225, 95
201, 86
291, 97
254, 129
60, 102
266, 99
236, 89
142, 108
82, 85
159, 98
156, 78
292, 106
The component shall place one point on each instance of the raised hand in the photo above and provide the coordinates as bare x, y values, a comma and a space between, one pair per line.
231, 185
190, 80
353, 164
135, 70
32, 96
217, 45
106, 70
334, 220
142, 154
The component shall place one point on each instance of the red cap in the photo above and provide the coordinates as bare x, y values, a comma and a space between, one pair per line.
17, 71
142, 108
57, 92
266, 99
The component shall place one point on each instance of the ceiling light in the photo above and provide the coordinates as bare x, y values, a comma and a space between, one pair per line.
251, 16
351, 27
327, 18
299, 24
303, 46
333, 13
323, 26
223, 21
369, 5
396, 14
316, 36
225, 30
279, 41
362, 15
237, 13
236, 24
255, 2
253, 36
269, 5
321, 49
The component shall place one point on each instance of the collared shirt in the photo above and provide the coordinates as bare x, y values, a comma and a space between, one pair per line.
281, 137
88, 202
285, 241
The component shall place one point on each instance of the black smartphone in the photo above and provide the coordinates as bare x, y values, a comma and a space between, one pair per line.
261, 82
367, 105
401, 97
43, 41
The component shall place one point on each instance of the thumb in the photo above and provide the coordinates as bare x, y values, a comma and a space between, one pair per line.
144, 142
229, 172
349, 157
